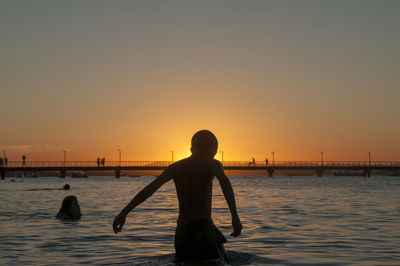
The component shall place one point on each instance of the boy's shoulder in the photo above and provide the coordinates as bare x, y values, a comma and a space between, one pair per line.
179, 163
190, 160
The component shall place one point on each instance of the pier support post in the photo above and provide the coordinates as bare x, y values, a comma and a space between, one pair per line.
117, 173
270, 172
367, 172
62, 173
320, 172
3, 174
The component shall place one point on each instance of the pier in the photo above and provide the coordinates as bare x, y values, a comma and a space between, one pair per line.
318, 167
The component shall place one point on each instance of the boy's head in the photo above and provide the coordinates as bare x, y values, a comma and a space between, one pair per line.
204, 144
70, 206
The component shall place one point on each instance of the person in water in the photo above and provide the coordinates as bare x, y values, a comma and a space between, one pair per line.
70, 209
196, 236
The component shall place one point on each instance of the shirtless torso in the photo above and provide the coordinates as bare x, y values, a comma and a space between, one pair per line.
193, 181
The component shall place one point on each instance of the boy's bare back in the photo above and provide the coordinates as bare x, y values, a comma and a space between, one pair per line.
193, 180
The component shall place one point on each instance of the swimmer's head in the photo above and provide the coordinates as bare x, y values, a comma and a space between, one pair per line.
204, 144
70, 208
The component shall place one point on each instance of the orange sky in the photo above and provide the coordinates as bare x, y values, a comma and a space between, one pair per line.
296, 78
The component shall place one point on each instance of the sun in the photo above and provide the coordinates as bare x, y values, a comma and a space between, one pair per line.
182, 154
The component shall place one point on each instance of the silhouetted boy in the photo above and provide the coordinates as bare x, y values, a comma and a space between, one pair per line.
196, 236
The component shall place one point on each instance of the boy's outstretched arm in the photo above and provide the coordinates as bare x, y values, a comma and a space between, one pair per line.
230, 199
140, 197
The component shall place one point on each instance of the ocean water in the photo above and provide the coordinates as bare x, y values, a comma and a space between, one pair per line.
287, 221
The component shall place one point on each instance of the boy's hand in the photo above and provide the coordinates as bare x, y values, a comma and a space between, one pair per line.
237, 226
119, 222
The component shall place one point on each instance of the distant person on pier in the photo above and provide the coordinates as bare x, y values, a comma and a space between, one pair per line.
70, 209
98, 161
103, 161
266, 161
23, 160
196, 236
253, 161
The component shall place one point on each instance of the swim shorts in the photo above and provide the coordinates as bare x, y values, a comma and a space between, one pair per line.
199, 240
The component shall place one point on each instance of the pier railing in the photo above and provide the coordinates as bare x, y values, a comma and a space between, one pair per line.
225, 163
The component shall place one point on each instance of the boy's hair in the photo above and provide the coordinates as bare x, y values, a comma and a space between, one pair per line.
204, 143
66, 204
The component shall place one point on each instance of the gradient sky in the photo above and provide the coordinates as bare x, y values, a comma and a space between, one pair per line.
294, 77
